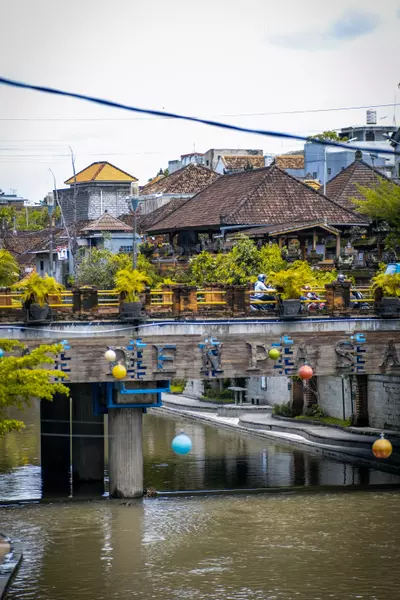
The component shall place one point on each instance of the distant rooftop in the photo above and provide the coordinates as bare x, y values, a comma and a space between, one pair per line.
103, 172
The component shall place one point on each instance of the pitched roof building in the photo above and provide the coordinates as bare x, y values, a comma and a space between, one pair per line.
260, 197
344, 186
184, 183
100, 172
99, 187
235, 164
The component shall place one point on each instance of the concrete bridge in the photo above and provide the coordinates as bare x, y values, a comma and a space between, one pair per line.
156, 352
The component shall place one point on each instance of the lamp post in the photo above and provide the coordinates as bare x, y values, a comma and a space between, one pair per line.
325, 162
50, 207
134, 200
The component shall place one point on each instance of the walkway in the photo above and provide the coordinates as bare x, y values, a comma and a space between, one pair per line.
330, 441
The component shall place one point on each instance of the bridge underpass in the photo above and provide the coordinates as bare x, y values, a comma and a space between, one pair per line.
156, 353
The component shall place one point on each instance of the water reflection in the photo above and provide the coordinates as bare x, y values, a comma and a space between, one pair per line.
220, 459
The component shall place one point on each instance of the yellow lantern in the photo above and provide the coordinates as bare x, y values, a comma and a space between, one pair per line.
382, 448
119, 371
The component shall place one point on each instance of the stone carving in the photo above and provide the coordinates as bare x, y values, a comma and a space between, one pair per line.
211, 351
344, 354
163, 358
256, 356
390, 358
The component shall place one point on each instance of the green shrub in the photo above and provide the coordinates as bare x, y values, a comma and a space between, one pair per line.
177, 386
283, 410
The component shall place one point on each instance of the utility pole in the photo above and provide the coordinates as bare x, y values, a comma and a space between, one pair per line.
70, 256
134, 200
50, 207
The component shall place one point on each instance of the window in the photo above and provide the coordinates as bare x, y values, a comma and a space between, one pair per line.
207, 163
369, 136
42, 265
126, 249
329, 170
315, 175
263, 383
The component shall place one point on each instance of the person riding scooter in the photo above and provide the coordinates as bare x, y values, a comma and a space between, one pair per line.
310, 295
261, 294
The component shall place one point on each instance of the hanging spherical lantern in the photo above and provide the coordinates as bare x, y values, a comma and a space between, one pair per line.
119, 371
181, 444
1, 352
382, 448
274, 354
305, 372
110, 355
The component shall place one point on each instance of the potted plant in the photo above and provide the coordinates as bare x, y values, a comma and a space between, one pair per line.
36, 291
129, 283
386, 287
289, 284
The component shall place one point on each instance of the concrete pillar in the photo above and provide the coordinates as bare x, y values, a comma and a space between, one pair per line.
88, 438
55, 446
125, 452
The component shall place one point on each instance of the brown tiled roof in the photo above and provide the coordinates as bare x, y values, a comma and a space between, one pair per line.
23, 241
144, 222
283, 228
263, 196
189, 180
287, 161
239, 163
107, 223
343, 187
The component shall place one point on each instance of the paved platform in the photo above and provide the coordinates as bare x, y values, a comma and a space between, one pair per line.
328, 440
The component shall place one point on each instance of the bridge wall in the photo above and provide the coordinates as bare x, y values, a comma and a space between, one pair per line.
334, 396
384, 401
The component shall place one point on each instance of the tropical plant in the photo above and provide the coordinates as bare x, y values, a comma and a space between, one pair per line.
9, 271
130, 283
292, 280
382, 203
37, 289
388, 283
24, 377
202, 269
240, 265
271, 259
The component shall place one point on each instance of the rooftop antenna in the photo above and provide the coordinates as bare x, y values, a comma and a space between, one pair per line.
395, 106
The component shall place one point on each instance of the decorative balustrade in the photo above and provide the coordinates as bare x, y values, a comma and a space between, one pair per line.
183, 301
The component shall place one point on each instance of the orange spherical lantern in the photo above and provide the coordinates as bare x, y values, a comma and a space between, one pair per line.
305, 372
119, 371
382, 448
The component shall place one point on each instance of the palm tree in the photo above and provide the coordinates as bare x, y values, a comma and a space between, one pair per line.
131, 282
9, 270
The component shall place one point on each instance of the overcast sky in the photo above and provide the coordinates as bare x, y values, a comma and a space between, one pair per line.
212, 58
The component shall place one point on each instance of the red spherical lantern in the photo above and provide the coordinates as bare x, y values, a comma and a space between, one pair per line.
382, 448
305, 372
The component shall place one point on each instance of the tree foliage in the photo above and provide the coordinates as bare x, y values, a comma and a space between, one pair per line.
329, 136
9, 270
131, 283
293, 279
28, 219
25, 376
38, 288
382, 203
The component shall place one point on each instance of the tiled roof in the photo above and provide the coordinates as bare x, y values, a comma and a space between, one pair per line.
144, 222
290, 161
107, 223
239, 163
263, 196
23, 241
343, 187
101, 171
284, 228
189, 180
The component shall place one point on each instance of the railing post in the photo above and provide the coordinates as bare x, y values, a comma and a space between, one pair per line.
5, 296
147, 300
241, 300
189, 300
85, 299
176, 301
337, 296
230, 299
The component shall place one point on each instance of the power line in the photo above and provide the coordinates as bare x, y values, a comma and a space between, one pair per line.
158, 113
260, 114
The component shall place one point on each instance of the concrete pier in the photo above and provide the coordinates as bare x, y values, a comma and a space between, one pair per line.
126, 452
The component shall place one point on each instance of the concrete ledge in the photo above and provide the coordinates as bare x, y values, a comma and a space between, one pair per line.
10, 564
232, 410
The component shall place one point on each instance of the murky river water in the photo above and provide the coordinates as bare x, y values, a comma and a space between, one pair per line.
314, 546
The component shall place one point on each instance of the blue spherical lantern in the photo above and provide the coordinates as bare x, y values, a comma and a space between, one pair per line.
181, 444
1, 353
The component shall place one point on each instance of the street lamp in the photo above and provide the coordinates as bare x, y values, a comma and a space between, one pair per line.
325, 162
134, 200
50, 207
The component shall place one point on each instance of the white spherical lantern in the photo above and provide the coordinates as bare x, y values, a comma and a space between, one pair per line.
110, 356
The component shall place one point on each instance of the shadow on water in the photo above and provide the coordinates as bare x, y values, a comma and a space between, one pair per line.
220, 460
